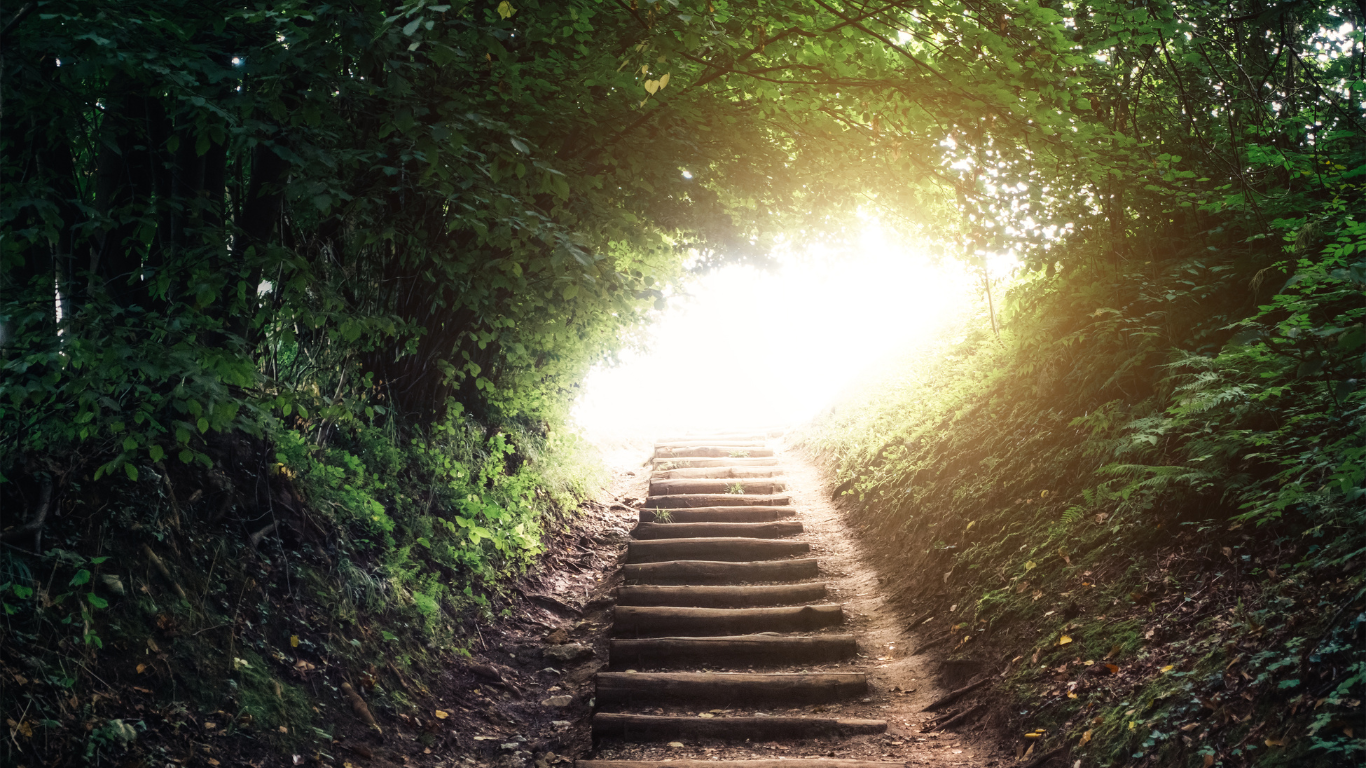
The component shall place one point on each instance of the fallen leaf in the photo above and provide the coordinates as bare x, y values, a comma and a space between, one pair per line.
1064, 640
293, 641
441, 714
1031, 565
1114, 651
1086, 737
1071, 695
1113, 668
1209, 760
141, 668
214, 762
1275, 742
1169, 668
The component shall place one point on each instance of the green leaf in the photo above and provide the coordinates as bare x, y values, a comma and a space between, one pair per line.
156, 452
96, 600
130, 470
82, 577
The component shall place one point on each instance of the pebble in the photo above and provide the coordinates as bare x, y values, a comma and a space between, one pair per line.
558, 701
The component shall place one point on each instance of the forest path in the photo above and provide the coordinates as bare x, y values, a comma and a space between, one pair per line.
749, 629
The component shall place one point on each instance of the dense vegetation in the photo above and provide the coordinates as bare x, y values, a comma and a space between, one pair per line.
302, 290
1146, 499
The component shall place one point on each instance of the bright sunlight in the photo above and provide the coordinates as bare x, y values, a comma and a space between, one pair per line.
753, 349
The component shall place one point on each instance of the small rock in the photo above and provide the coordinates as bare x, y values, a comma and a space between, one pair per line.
113, 582
567, 652
675, 745
509, 745
560, 723
558, 701
558, 637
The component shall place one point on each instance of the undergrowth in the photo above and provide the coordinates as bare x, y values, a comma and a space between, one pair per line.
189, 604
1150, 490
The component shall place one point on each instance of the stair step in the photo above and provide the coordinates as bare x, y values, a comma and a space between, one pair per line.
723, 549
714, 572
670, 620
719, 514
729, 461
693, 500
722, 597
681, 530
720, 442
788, 763
716, 472
713, 451
656, 727
690, 485
759, 650
801, 762
617, 689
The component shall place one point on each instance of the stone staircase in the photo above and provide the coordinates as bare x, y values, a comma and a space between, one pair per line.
722, 612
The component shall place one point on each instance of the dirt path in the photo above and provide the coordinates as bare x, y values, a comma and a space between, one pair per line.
661, 725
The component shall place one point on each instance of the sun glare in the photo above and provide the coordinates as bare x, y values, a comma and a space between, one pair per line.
751, 349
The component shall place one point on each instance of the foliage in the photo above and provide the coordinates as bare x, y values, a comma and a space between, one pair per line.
345, 266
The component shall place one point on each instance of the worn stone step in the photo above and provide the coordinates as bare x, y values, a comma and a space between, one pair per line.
619, 689
730, 550
668, 464
717, 514
719, 442
800, 762
716, 572
767, 650
731, 435
691, 485
787, 763
634, 620
657, 727
717, 472
723, 597
692, 500
713, 452
681, 530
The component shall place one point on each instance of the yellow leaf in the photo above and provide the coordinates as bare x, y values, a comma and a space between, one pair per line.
214, 762
1114, 651
1086, 737
1209, 760
1275, 742
293, 641
651, 86
442, 714
664, 80
1031, 565
141, 667
1071, 695
1042, 494
1064, 640
970, 524
506, 10
1169, 668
